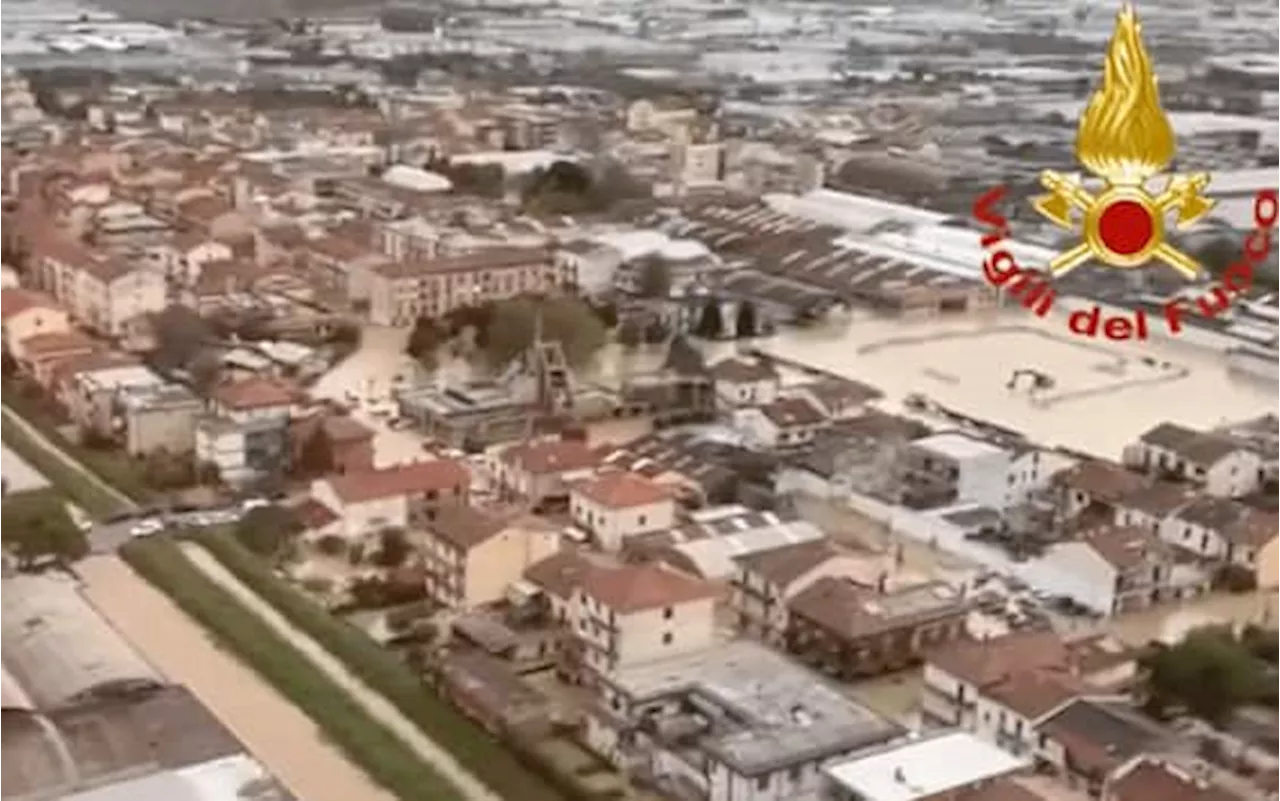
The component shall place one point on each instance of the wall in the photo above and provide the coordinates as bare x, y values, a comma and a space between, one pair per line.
612, 526
29, 323
649, 635
365, 517
494, 564
1076, 570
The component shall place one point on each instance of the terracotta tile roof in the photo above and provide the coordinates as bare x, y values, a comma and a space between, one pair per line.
16, 300
783, 565
465, 527
1160, 499
622, 490
741, 371
54, 343
982, 662
412, 479
1148, 780
338, 427
1035, 693
1103, 481
788, 412
551, 456
1125, 547
559, 575
636, 588
851, 611
258, 392
1100, 735
69, 368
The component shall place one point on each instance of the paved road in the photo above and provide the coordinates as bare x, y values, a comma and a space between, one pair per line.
274, 730
378, 707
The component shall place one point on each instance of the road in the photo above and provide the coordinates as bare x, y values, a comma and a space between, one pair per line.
275, 731
378, 707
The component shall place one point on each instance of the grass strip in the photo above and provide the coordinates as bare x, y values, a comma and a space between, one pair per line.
479, 753
76, 484
366, 742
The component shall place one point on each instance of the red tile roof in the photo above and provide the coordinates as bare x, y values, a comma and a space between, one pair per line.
1147, 780
15, 301
313, 515
622, 490
637, 588
60, 342
412, 479
551, 456
256, 393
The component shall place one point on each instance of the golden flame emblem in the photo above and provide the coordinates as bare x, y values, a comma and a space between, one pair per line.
1124, 138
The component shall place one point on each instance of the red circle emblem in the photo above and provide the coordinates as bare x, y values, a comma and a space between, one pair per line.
1125, 227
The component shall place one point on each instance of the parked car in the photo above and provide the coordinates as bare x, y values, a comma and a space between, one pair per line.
146, 528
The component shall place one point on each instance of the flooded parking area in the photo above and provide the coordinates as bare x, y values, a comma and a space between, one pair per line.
1030, 375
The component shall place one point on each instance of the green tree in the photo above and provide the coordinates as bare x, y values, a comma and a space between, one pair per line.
746, 325
37, 526
566, 320
653, 277
267, 531
1209, 673
393, 548
424, 340
710, 321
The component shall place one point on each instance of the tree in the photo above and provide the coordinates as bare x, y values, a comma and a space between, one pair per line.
180, 336
710, 321
746, 325
37, 526
315, 457
165, 470
393, 548
267, 531
653, 278
630, 334
566, 320
424, 340
1209, 673
204, 372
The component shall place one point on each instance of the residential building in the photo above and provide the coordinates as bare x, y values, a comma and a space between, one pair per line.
786, 423
946, 765
1221, 529
838, 398
255, 398
242, 450
1146, 778
1003, 688
539, 472
849, 630
1114, 569
26, 314
1093, 488
162, 418
616, 505
1090, 739
105, 295
348, 442
766, 581
393, 497
739, 382
92, 393
711, 543
736, 722
473, 555
43, 353
1225, 466
628, 615
951, 467
401, 292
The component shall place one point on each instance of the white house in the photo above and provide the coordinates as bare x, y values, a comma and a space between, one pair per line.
1221, 529
1225, 466
739, 382
369, 501
621, 504
957, 468
785, 423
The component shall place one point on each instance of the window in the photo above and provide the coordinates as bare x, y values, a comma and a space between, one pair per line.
666, 638
640, 520
762, 783
668, 613
795, 773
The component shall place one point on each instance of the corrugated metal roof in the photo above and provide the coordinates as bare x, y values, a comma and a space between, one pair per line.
58, 649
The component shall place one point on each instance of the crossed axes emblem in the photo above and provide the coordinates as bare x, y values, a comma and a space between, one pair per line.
1183, 192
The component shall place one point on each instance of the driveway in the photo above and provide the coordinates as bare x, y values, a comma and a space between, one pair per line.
276, 732
370, 373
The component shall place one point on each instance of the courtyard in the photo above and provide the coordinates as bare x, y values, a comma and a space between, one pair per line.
1095, 396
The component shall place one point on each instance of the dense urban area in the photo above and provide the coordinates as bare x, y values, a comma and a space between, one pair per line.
501, 400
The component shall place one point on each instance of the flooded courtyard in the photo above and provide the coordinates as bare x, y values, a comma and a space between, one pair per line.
1099, 395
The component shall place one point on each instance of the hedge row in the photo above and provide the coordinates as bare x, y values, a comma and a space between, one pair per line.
367, 743
76, 484
487, 759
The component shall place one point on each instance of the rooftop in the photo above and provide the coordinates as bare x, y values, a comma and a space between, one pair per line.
957, 446
919, 768
779, 713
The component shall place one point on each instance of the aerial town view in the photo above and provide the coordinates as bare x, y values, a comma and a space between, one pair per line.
630, 400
